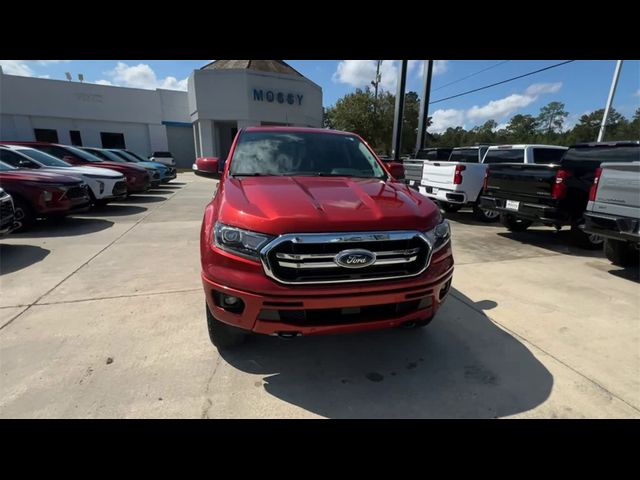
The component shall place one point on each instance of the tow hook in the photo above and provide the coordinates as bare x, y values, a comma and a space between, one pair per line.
288, 335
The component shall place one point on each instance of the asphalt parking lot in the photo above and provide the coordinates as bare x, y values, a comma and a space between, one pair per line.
102, 316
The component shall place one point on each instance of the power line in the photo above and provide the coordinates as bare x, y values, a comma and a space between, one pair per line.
469, 76
500, 83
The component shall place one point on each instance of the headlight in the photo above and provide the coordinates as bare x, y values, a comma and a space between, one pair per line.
236, 240
101, 185
439, 235
47, 196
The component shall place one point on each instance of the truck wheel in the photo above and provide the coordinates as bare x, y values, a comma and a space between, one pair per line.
23, 214
588, 241
222, 335
621, 253
514, 224
450, 207
484, 215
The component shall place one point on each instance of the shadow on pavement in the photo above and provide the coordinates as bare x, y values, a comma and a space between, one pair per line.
460, 366
466, 217
629, 273
17, 257
65, 227
112, 210
170, 187
138, 198
552, 240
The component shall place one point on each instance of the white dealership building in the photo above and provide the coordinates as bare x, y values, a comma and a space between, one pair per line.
222, 97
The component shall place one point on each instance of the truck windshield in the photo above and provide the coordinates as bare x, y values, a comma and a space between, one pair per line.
43, 158
282, 153
512, 155
467, 155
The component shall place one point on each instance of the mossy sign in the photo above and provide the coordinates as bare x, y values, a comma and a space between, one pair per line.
271, 96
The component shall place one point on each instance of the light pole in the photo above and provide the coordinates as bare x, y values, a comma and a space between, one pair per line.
424, 107
612, 92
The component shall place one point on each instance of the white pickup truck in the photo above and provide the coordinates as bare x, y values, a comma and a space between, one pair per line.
458, 182
613, 211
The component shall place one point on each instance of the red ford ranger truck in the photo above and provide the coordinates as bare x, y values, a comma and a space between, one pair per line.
308, 233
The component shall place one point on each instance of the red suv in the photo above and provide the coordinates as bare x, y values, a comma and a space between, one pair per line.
137, 178
308, 233
42, 194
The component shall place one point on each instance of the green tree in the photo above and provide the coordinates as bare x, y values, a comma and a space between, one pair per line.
588, 126
521, 129
551, 119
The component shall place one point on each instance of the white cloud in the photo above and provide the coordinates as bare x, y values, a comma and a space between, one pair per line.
443, 119
539, 88
498, 109
501, 126
24, 67
141, 76
360, 73
637, 94
495, 109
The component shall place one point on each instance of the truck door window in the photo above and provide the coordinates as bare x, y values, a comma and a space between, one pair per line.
547, 155
469, 155
512, 155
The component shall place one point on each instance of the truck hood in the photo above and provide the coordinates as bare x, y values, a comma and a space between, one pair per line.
103, 172
277, 205
119, 167
37, 176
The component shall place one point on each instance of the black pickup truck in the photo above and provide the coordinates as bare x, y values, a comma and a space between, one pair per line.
413, 167
553, 194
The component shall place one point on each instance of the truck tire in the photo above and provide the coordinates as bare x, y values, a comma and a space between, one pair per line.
450, 207
621, 253
580, 239
223, 336
514, 224
24, 214
484, 215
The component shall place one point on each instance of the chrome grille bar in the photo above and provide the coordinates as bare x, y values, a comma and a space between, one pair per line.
303, 256
385, 261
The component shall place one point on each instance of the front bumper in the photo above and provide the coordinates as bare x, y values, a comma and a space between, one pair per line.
339, 308
141, 184
170, 174
613, 226
534, 212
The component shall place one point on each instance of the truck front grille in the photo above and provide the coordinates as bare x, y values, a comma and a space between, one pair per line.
311, 258
119, 188
76, 192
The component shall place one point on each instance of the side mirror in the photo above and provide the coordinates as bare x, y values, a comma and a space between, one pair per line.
68, 159
396, 170
27, 164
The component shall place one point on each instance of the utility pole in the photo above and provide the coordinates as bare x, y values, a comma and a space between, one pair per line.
612, 92
424, 106
396, 141
375, 83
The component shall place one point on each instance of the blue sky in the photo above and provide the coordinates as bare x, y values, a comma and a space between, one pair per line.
582, 85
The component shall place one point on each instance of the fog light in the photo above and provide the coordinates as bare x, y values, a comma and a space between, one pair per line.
47, 196
230, 300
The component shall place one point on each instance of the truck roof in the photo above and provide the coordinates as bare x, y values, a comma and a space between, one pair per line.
525, 145
618, 143
296, 129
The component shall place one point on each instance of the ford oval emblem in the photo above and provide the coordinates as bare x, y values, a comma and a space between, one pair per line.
356, 258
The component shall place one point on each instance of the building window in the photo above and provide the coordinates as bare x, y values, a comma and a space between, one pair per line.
112, 140
46, 135
76, 139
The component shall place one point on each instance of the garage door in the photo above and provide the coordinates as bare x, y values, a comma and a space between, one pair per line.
180, 140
